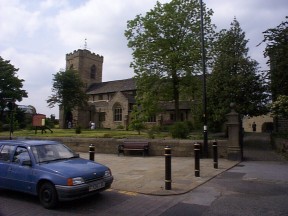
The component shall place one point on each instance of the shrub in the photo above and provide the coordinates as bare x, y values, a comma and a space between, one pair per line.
78, 130
120, 127
153, 130
137, 125
189, 125
179, 130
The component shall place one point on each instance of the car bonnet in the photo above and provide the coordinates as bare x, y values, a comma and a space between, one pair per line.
77, 167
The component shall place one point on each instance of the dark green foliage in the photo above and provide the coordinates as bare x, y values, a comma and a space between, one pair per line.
235, 78
166, 52
10, 87
138, 119
189, 125
68, 92
277, 51
49, 123
179, 130
279, 108
10, 84
78, 130
22, 119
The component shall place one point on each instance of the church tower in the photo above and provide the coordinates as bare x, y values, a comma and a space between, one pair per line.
89, 65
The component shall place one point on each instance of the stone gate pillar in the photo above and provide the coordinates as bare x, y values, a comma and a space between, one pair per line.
234, 148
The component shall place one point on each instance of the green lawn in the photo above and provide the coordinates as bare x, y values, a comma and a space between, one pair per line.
98, 133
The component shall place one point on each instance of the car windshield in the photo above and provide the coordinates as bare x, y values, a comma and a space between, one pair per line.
48, 152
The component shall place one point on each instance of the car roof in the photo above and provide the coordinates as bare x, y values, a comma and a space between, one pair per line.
28, 142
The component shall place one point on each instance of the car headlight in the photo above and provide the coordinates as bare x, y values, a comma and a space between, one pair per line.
75, 181
108, 173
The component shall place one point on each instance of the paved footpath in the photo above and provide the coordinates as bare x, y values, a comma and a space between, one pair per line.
146, 175
258, 186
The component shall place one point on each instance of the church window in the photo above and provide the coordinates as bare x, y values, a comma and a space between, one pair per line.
118, 113
101, 116
152, 118
93, 72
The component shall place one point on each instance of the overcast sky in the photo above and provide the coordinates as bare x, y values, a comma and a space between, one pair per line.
37, 34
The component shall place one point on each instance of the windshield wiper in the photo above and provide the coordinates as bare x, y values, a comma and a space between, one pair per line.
73, 157
53, 160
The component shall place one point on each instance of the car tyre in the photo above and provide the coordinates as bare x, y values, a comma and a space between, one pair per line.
48, 195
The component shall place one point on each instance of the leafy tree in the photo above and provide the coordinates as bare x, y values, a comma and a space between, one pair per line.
10, 87
179, 130
10, 84
138, 119
277, 51
279, 108
166, 51
235, 78
67, 91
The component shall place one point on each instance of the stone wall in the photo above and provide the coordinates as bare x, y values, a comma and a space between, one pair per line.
282, 125
281, 145
180, 148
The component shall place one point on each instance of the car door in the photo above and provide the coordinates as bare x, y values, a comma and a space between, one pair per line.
19, 174
6, 152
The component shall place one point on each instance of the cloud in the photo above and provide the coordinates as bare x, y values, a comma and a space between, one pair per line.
36, 35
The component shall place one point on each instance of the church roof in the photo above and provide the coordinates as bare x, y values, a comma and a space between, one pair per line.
112, 86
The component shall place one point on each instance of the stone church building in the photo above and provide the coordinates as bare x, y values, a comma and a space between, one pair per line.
110, 103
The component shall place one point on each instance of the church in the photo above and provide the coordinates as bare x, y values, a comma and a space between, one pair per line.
110, 103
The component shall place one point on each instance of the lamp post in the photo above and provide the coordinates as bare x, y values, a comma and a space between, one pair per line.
205, 133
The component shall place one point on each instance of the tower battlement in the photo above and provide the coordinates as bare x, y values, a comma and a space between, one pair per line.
83, 53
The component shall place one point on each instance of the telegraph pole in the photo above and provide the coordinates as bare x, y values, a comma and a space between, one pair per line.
205, 132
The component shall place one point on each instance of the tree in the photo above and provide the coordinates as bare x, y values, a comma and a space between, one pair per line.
235, 78
138, 119
10, 85
68, 91
166, 51
277, 51
279, 108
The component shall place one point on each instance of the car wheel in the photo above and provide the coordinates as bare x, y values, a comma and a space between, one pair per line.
48, 195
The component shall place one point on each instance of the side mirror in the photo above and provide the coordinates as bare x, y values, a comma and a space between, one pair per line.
26, 163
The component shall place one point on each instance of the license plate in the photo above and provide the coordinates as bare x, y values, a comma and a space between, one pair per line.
96, 185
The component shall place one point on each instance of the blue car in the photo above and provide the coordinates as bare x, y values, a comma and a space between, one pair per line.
50, 170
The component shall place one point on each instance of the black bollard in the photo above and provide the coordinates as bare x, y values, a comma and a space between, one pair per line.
197, 159
215, 154
91, 152
168, 156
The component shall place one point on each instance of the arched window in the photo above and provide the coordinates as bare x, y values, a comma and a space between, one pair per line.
117, 113
93, 72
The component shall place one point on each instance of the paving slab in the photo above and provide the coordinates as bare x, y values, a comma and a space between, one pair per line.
146, 175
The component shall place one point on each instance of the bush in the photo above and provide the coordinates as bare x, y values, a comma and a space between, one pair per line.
137, 125
189, 125
78, 130
120, 127
179, 130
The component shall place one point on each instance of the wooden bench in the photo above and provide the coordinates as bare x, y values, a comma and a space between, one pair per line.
134, 146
